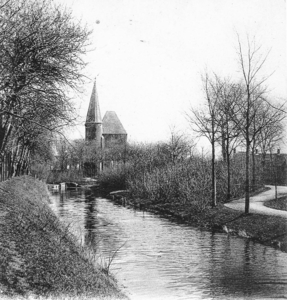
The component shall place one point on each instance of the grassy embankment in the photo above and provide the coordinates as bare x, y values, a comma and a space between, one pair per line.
38, 256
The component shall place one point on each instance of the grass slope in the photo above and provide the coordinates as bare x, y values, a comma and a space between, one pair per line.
37, 253
280, 203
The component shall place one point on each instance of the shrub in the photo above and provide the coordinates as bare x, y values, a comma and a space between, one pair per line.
65, 176
184, 183
113, 177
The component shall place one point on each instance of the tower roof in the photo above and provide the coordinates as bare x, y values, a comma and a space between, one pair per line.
94, 113
112, 124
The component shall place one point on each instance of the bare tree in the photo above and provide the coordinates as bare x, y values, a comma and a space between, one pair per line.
178, 147
271, 135
229, 134
204, 121
251, 107
40, 59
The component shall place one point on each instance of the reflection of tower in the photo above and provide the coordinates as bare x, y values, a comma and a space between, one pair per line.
94, 120
61, 204
90, 219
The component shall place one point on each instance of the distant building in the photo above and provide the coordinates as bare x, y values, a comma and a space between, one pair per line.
273, 166
108, 133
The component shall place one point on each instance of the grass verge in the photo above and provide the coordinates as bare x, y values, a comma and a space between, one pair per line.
38, 255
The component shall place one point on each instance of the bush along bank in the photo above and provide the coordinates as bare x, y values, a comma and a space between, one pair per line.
38, 255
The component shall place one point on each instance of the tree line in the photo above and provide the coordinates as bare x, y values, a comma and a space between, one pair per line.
240, 113
235, 114
172, 176
41, 60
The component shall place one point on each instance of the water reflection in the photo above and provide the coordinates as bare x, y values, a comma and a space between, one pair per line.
157, 259
91, 222
248, 270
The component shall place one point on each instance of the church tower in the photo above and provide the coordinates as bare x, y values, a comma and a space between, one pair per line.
94, 120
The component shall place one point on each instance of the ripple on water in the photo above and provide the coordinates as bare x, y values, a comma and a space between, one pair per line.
159, 259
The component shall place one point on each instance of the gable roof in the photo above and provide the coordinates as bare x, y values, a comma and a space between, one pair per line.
112, 124
94, 113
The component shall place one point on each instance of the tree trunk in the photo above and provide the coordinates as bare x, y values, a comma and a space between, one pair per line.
253, 170
223, 145
275, 175
247, 161
213, 204
228, 176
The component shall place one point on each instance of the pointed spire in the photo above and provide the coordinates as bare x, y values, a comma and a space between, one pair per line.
94, 113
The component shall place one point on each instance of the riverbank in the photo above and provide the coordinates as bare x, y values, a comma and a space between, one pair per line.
267, 230
38, 255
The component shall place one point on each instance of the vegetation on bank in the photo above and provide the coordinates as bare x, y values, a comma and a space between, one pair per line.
65, 176
151, 175
280, 203
38, 255
181, 191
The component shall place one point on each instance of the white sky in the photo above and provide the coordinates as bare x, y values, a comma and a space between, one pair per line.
150, 55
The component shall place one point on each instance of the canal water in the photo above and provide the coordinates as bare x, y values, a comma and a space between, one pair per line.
154, 258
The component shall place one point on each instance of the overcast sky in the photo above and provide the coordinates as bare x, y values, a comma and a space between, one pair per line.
149, 55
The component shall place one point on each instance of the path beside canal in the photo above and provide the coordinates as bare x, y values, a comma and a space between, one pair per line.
257, 202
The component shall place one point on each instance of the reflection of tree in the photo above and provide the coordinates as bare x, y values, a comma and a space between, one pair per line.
102, 238
238, 268
212, 263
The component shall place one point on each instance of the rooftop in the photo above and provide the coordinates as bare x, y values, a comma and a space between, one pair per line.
112, 124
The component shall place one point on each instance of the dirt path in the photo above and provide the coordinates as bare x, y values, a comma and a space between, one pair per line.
257, 202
